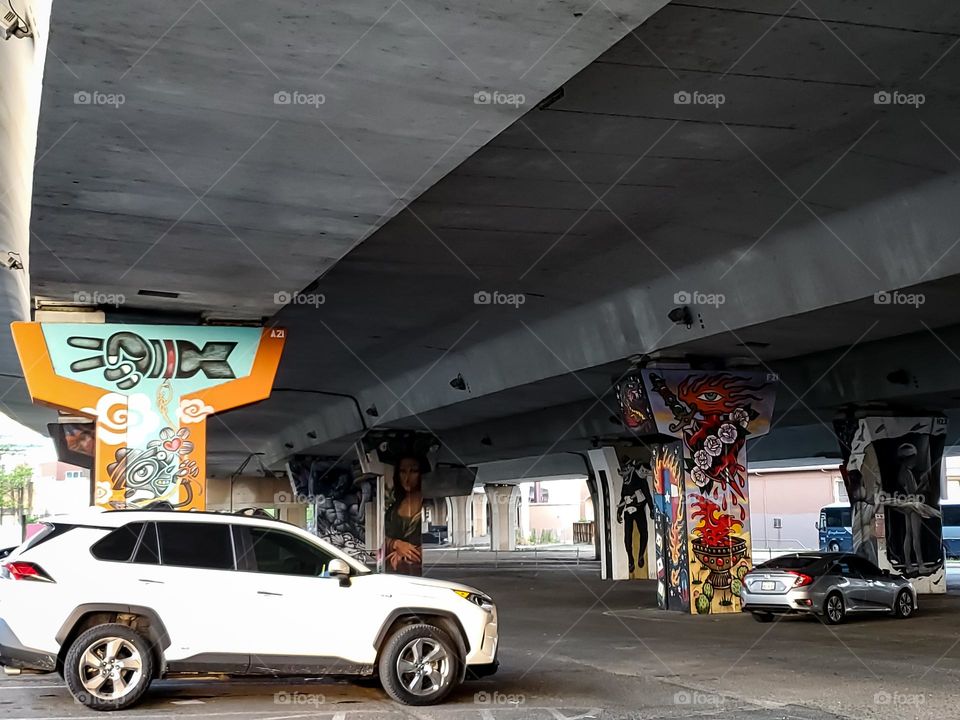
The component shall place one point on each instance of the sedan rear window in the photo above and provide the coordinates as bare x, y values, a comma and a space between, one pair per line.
790, 562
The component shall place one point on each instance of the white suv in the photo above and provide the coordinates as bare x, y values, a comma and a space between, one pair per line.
112, 600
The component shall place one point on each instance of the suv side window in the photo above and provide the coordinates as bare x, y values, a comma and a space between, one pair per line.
196, 545
148, 551
280, 553
118, 545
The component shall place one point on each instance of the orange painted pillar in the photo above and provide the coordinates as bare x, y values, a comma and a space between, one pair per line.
148, 390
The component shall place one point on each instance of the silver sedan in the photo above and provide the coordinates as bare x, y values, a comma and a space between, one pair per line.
831, 585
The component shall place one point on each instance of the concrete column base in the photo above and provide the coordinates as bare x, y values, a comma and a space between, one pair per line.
458, 520
503, 500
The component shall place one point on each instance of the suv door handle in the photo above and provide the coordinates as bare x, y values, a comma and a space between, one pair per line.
272, 594
151, 582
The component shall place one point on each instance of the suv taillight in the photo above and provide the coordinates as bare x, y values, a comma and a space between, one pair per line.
25, 571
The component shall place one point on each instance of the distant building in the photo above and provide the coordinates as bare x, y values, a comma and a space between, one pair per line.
60, 488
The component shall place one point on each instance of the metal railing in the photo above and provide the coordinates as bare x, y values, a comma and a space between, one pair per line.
533, 558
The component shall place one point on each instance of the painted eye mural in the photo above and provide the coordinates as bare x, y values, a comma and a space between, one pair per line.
712, 414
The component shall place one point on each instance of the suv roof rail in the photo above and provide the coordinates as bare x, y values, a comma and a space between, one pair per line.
255, 512
158, 505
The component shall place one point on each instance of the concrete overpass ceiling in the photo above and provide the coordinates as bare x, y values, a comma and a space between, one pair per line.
798, 197
203, 181
698, 186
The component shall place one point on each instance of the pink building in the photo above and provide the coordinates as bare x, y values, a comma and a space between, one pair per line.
785, 504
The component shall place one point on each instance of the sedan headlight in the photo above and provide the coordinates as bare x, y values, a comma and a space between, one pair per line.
478, 599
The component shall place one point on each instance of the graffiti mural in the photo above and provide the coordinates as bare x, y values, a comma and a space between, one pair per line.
150, 390
404, 462
634, 405
673, 583
339, 497
893, 476
129, 358
713, 414
633, 508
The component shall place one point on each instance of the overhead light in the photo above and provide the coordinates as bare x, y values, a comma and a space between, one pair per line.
681, 316
458, 383
372, 411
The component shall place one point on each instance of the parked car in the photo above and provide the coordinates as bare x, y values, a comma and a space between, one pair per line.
831, 585
113, 600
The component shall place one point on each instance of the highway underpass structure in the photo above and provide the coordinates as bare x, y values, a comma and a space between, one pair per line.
637, 241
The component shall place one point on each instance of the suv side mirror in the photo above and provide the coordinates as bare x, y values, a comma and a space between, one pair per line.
339, 569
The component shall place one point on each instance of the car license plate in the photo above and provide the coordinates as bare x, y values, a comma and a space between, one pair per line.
768, 585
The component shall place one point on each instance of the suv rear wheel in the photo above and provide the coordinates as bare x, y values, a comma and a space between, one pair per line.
109, 667
419, 665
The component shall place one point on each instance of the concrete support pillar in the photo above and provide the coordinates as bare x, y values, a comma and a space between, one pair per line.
294, 514
458, 520
21, 83
504, 501
893, 471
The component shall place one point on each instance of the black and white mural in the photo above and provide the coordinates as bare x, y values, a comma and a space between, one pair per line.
339, 497
893, 476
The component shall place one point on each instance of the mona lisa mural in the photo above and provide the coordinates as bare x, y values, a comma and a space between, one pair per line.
404, 462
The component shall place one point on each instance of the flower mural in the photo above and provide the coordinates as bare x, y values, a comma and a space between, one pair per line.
713, 414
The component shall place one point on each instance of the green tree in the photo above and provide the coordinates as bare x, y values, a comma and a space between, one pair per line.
14, 487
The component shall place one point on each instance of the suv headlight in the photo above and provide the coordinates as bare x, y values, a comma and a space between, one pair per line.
477, 599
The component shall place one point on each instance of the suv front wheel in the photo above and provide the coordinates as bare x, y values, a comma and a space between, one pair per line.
109, 667
419, 665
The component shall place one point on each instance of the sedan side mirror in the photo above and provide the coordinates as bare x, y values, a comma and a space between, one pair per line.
339, 569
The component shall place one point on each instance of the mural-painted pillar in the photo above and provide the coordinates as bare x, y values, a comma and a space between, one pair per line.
712, 413
893, 472
149, 390
673, 567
